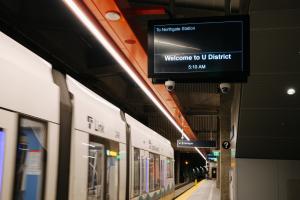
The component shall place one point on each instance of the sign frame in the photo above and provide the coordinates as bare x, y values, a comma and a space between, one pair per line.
229, 76
196, 143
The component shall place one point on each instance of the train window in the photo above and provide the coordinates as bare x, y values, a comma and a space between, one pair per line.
2, 145
95, 171
156, 172
112, 174
136, 187
151, 172
143, 174
30, 160
162, 173
169, 168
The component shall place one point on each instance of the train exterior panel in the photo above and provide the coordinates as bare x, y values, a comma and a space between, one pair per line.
26, 82
29, 121
98, 141
95, 115
151, 158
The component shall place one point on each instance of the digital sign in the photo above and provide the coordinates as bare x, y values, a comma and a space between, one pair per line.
207, 49
197, 143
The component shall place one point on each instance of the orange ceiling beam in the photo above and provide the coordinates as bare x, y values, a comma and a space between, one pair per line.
126, 41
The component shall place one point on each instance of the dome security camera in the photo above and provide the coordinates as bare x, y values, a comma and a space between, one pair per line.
170, 85
225, 88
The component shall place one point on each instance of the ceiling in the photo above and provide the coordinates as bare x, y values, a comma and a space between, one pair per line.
49, 29
269, 118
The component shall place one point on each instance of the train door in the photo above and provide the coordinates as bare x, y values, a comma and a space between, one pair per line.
162, 176
112, 174
144, 172
104, 169
8, 137
23, 144
30, 160
95, 171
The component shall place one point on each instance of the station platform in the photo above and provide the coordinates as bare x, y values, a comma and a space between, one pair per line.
205, 190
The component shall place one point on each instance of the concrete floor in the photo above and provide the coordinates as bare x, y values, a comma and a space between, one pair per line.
205, 190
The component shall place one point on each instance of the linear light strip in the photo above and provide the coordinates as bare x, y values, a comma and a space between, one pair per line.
201, 154
116, 55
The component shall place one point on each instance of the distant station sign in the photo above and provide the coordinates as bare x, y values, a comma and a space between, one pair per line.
216, 153
200, 49
197, 143
212, 157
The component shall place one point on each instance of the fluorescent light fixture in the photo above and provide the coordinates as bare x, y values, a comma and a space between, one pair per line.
100, 36
201, 154
291, 91
86, 144
89, 157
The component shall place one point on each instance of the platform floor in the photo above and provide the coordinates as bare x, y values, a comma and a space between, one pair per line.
183, 189
205, 190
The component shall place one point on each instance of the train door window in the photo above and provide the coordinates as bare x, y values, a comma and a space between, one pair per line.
136, 182
112, 171
162, 173
30, 160
2, 146
151, 171
156, 172
146, 172
143, 173
95, 171
169, 168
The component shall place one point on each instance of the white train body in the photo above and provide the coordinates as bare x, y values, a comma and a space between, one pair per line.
59, 140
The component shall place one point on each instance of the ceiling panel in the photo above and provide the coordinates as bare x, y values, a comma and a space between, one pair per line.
269, 118
268, 148
274, 4
269, 123
275, 51
275, 18
269, 91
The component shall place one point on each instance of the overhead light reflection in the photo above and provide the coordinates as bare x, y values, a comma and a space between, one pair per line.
175, 45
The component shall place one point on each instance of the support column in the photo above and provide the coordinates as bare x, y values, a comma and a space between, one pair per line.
218, 174
218, 162
225, 155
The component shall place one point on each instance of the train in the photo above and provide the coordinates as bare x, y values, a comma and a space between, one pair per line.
60, 140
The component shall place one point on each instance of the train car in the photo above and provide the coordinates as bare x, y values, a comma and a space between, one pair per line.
98, 148
60, 140
29, 124
152, 163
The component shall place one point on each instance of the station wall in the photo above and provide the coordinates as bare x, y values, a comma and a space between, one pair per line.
262, 179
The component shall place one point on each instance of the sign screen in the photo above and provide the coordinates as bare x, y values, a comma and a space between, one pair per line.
197, 143
212, 49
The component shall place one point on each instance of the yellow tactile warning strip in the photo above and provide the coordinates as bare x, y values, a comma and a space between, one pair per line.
188, 193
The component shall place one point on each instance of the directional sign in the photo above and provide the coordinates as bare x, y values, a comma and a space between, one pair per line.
211, 156
197, 143
216, 153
